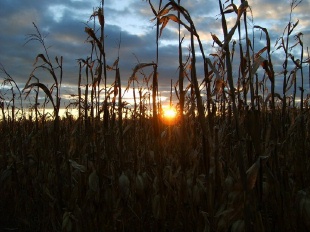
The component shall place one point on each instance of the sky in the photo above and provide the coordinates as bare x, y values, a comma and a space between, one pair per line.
129, 24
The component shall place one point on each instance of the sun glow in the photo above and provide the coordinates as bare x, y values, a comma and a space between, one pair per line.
169, 115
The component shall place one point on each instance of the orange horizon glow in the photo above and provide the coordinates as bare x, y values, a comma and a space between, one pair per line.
169, 115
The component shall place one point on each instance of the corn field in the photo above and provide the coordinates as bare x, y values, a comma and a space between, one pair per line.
235, 158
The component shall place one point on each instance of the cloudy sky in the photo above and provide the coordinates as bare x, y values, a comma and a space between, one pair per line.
128, 21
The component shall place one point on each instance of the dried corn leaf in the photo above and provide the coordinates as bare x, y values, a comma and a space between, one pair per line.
252, 174
257, 62
139, 185
238, 226
44, 88
140, 66
164, 11
216, 40
303, 204
43, 58
253, 171
159, 207
123, 183
90, 32
127, 128
293, 80
242, 8
93, 181
233, 9
77, 166
66, 222
219, 84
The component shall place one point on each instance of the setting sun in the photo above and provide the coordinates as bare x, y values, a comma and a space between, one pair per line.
169, 115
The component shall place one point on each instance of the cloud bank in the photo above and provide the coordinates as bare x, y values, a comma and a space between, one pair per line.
128, 23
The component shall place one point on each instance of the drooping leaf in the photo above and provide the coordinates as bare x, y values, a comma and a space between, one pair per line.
267, 36
115, 64
153, 9
293, 80
258, 60
293, 27
44, 88
216, 40
140, 66
260, 51
233, 9
163, 21
43, 58
90, 32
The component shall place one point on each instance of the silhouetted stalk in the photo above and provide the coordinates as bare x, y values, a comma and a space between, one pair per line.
256, 93
102, 55
10, 80
48, 66
13, 107
36, 108
92, 79
134, 99
229, 66
120, 105
240, 159
93, 89
141, 111
79, 90
308, 68
248, 57
268, 67
57, 152
3, 112
300, 66
155, 77
86, 94
181, 72
285, 64
170, 97
194, 80
242, 75
200, 106
102, 59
